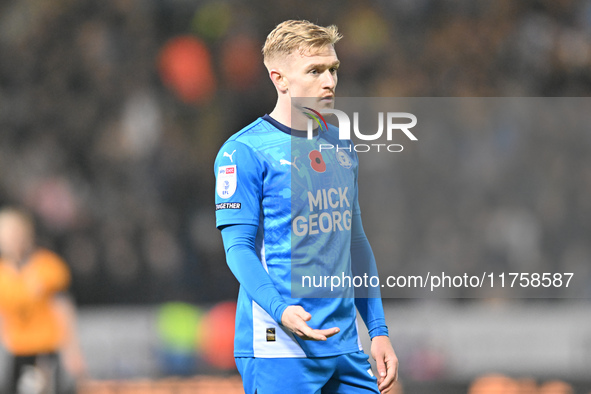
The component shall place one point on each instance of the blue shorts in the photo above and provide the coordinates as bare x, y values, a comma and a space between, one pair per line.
347, 373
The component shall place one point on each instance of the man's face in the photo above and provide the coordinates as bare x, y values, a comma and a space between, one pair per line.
16, 236
313, 74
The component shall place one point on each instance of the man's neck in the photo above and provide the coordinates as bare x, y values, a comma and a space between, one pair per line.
282, 114
17, 258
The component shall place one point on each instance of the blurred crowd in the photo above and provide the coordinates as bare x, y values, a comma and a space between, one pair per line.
492, 185
111, 144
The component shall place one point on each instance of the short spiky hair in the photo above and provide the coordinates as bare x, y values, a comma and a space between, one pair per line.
301, 35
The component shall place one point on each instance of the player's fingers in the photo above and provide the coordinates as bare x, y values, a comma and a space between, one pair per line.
386, 383
305, 332
382, 370
381, 365
393, 365
312, 335
302, 329
390, 377
328, 332
304, 315
315, 335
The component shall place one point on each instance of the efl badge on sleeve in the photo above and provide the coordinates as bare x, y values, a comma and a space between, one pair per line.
226, 181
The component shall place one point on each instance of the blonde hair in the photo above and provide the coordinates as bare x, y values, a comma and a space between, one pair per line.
301, 35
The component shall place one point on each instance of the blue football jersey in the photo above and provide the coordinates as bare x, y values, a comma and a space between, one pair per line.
302, 194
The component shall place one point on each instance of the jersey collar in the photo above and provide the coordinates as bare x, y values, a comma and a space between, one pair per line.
284, 128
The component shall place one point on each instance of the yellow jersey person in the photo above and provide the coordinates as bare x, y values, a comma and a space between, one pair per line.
31, 327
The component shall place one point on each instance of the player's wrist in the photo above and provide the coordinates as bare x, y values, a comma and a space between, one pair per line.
381, 331
279, 310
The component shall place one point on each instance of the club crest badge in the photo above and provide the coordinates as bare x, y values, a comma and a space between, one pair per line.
226, 181
344, 159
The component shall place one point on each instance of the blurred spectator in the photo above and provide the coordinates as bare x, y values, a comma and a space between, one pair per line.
35, 322
556, 387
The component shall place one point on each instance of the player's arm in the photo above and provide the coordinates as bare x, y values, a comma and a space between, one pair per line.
369, 305
239, 192
239, 243
368, 300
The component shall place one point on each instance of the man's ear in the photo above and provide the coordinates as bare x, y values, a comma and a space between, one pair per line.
279, 80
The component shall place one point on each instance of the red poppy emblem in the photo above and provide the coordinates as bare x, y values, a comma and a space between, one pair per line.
317, 161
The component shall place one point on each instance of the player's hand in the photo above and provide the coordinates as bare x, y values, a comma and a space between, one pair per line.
386, 363
295, 317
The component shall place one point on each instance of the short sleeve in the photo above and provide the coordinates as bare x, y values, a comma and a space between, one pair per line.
50, 271
239, 179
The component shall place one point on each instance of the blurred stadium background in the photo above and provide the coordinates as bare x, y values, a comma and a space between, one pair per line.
111, 113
